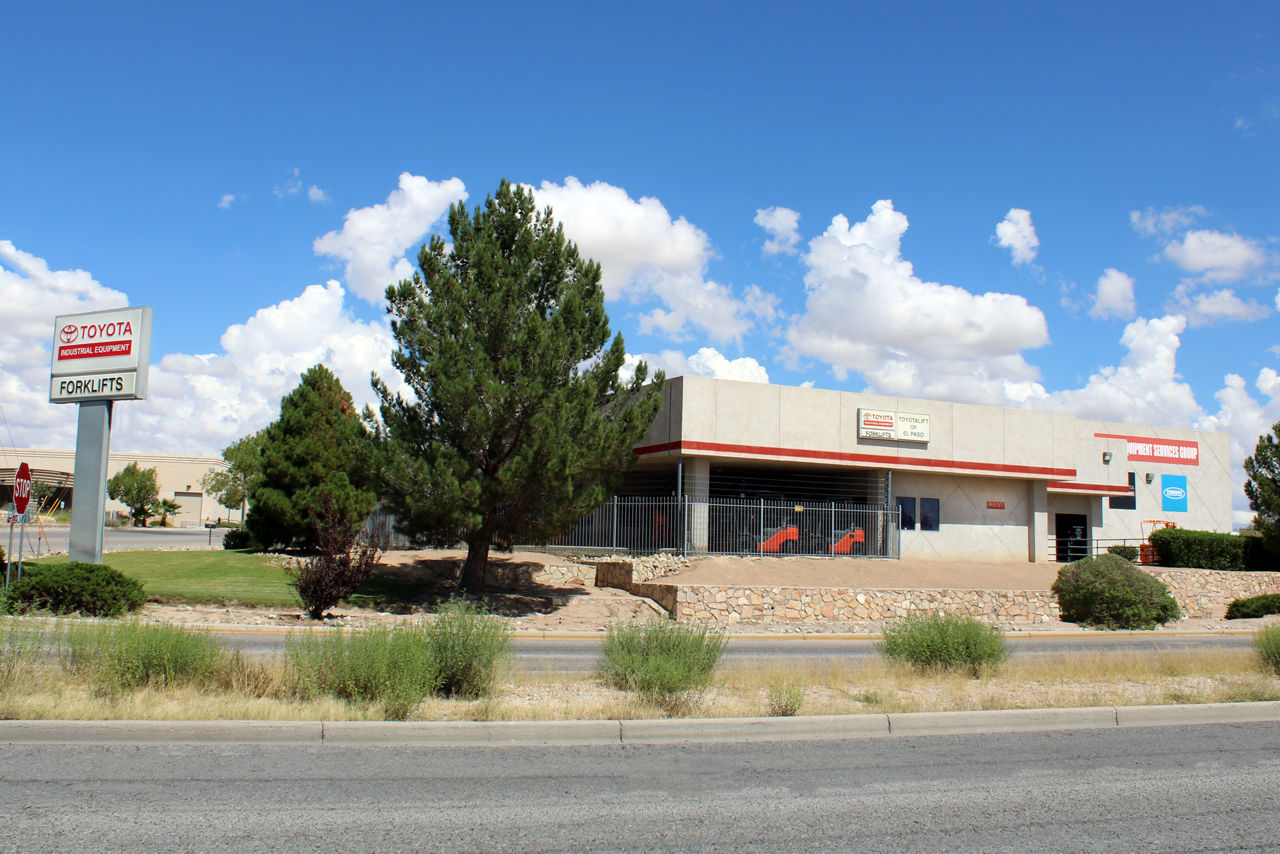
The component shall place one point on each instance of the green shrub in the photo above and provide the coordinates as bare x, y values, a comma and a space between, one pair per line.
468, 647
944, 641
1129, 553
92, 589
1254, 606
1267, 643
1110, 592
238, 538
661, 660
1207, 550
785, 698
122, 656
394, 666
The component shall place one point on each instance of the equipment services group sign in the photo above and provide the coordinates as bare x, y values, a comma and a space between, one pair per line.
898, 426
101, 355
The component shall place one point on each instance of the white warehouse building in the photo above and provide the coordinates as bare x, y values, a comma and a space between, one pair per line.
953, 480
178, 478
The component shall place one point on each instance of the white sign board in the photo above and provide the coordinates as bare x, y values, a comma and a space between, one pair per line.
894, 426
912, 427
119, 385
101, 355
875, 424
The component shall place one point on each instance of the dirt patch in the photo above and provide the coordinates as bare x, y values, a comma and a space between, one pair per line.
411, 583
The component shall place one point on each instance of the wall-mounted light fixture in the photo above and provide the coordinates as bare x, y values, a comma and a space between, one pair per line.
1106, 458
1150, 477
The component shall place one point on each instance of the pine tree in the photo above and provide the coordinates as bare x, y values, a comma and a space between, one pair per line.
1263, 488
518, 423
314, 465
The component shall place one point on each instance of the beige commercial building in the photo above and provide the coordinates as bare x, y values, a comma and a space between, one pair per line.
956, 480
178, 478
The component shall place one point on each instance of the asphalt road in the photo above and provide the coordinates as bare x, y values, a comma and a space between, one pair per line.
1171, 788
130, 539
571, 654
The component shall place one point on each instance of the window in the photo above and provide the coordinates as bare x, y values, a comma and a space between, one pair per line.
930, 514
906, 513
1126, 502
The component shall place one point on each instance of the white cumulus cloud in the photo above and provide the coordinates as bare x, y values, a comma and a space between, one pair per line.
1216, 256
783, 227
644, 254
226, 200
1114, 297
867, 311
1145, 387
373, 240
32, 295
291, 185
1164, 221
316, 196
707, 362
1017, 234
196, 403
1244, 419
1220, 306
760, 302
200, 403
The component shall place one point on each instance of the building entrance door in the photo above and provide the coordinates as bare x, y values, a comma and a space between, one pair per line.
1070, 530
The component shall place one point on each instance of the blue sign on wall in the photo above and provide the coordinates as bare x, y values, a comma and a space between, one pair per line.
1173, 493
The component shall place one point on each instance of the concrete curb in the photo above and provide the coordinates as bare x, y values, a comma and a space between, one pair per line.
223, 628
624, 732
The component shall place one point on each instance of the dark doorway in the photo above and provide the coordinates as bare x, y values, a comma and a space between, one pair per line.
1071, 530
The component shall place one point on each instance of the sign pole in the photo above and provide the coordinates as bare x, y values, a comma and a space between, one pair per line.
22, 532
8, 562
98, 357
93, 440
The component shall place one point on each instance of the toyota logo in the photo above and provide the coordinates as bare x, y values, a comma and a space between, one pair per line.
69, 333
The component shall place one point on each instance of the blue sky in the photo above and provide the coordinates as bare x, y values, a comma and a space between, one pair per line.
1066, 206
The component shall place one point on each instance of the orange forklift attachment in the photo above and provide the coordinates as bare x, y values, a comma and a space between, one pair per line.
1147, 549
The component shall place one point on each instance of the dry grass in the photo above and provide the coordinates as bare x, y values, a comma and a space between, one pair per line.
870, 686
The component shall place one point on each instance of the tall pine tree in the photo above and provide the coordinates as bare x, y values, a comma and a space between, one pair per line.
314, 465
1263, 488
518, 423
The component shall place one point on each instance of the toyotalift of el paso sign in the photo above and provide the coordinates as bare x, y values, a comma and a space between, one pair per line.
101, 355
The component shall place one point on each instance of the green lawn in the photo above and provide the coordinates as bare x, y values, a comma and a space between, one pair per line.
205, 576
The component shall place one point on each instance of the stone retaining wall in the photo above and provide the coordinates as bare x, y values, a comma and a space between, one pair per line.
1201, 593
1208, 592
813, 605
644, 568
514, 575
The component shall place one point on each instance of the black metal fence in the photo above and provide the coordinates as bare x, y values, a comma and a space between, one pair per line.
741, 526
1067, 549
735, 526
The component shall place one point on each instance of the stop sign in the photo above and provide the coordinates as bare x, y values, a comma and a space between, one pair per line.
22, 488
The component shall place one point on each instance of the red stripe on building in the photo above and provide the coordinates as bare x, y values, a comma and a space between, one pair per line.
837, 456
1099, 488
